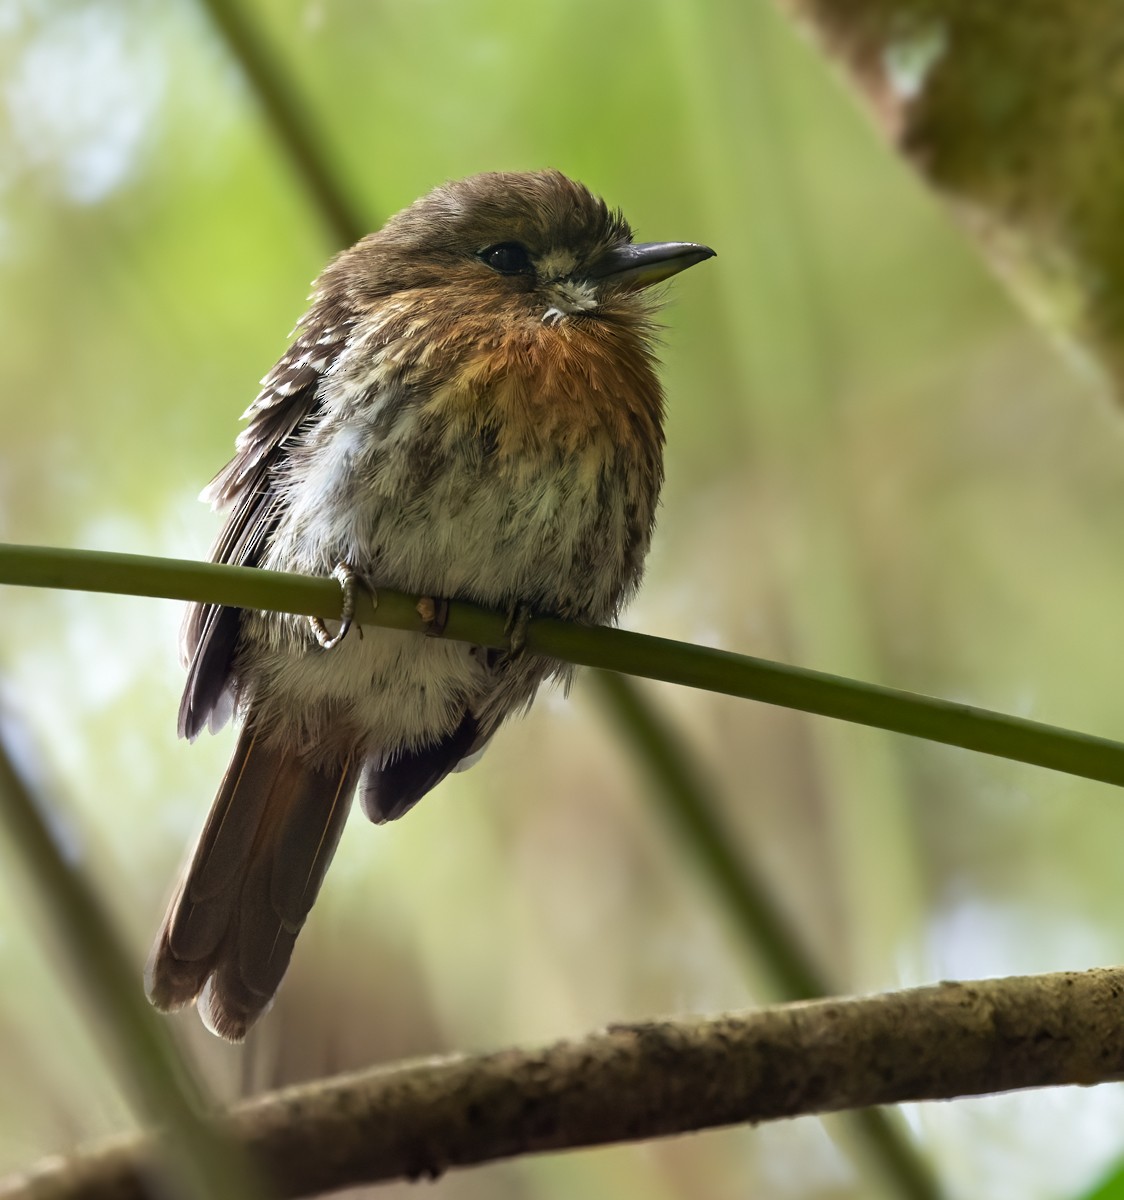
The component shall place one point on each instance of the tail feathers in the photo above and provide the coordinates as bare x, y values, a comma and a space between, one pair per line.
259, 864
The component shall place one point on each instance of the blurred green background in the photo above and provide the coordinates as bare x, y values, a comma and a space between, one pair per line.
876, 467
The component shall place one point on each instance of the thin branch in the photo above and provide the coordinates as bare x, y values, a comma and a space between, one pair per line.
634, 1082
201, 1161
676, 781
287, 116
612, 649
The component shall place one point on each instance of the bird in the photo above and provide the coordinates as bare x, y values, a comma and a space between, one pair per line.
469, 409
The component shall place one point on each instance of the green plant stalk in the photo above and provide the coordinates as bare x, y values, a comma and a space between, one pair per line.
203, 1164
676, 782
288, 118
962, 725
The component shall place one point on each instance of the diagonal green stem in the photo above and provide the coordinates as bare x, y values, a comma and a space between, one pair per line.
288, 117
676, 783
204, 1164
613, 649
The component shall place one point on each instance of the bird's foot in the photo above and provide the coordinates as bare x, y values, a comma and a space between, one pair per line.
348, 581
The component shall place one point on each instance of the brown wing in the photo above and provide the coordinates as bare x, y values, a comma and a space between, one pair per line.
248, 484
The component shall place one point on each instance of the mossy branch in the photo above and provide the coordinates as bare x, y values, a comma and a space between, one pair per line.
1004, 112
654, 1079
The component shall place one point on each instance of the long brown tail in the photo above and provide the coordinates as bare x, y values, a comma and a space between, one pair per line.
260, 861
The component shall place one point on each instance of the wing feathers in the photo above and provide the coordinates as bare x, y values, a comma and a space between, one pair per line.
288, 397
389, 790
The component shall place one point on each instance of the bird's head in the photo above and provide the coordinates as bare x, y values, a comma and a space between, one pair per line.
526, 244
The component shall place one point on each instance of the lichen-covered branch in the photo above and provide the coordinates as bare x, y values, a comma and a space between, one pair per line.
1013, 113
650, 1080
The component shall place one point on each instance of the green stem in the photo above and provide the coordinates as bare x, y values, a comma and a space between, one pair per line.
694, 816
161, 1089
612, 649
761, 927
288, 117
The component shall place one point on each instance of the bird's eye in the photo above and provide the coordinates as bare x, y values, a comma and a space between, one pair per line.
507, 258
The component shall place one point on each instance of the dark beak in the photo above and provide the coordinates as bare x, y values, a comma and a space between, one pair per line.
639, 265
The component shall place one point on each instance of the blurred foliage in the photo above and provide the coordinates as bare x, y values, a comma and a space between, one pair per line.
1109, 1188
876, 467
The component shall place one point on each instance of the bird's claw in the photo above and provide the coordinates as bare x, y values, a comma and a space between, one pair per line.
348, 580
434, 612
